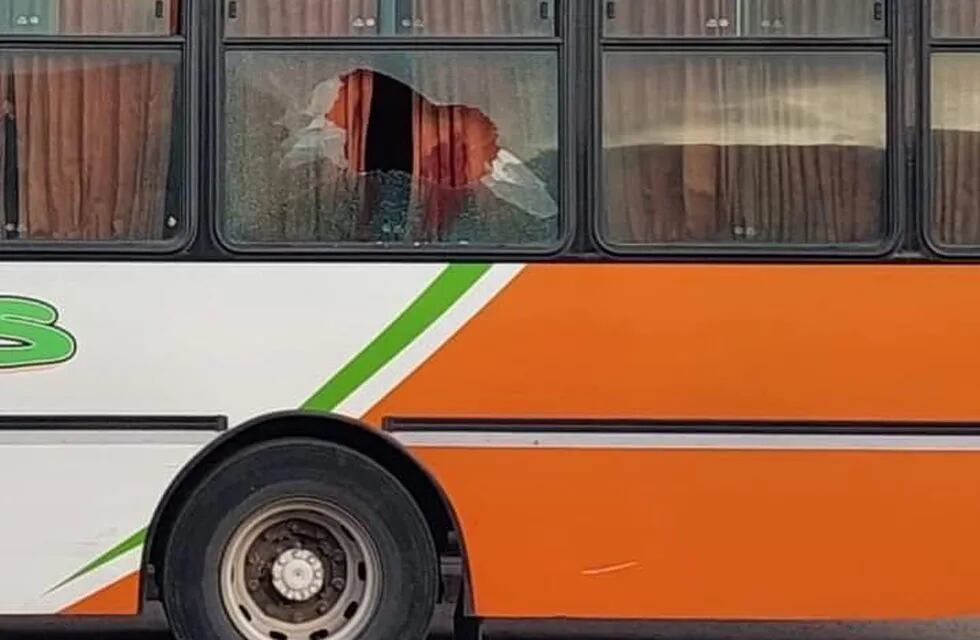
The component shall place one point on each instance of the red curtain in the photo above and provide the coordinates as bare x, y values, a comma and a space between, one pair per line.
453, 148
351, 112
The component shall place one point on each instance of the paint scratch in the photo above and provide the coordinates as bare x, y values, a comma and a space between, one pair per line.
610, 569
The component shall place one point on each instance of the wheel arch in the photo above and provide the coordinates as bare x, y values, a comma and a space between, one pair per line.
328, 427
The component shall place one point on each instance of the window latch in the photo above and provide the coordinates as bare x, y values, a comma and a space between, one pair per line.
611, 10
879, 11
544, 10
233, 10
159, 10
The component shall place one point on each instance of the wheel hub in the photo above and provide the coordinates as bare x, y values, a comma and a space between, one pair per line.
295, 570
300, 570
298, 575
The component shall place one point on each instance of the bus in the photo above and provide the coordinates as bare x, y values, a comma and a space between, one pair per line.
315, 314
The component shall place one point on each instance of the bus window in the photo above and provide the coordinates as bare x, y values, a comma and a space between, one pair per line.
478, 17
301, 18
88, 17
390, 18
836, 18
88, 150
745, 18
955, 153
670, 18
743, 149
409, 149
955, 18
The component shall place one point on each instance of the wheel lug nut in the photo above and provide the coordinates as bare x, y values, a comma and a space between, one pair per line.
338, 584
323, 608
253, 585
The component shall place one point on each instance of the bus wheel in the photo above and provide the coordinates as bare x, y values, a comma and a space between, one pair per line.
300, 540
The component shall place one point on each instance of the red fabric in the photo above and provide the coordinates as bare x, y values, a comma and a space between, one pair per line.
351, 112
454, 148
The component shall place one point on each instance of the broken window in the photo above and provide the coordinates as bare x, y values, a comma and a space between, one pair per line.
409, 149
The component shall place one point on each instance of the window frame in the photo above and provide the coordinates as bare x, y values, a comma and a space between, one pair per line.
930, 46
185, 43
894, 183
561, 44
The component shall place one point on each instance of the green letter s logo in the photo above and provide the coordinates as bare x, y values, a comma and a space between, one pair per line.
29, 335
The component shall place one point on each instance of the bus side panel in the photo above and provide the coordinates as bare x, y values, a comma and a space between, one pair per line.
737, 534
74, 510
724, 342
727, 534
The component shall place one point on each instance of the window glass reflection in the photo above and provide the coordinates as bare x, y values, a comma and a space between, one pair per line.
746, 18
955, 149
743, 149
425, 18
89, 17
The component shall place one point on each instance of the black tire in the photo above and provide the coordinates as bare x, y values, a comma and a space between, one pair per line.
289, 469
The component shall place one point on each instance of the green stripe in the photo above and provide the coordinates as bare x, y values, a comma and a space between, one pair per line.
134, 541
448, 287
438, 297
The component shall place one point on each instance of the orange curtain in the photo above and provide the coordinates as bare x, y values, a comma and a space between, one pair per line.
352, 112
93, 131
94, 135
